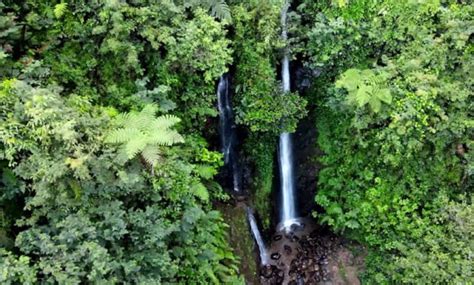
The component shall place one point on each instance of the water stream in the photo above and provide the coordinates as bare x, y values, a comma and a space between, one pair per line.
288, 210
227, 132
264, 259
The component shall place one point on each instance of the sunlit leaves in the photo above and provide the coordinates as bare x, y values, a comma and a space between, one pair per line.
364, 87
59, 10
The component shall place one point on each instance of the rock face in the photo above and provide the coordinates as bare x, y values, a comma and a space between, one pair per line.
307, 166
305, 255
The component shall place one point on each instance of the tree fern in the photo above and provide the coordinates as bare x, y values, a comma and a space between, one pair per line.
141, 133
220, 10
216, 8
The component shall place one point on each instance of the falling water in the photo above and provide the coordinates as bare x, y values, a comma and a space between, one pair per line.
227, 131
258, 238
288, 211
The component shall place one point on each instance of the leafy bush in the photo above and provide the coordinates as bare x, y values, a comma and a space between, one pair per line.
121, 54
395, 129
83, 213
442, 254
93, 217
262, 148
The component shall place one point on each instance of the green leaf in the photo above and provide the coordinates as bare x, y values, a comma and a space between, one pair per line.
59, 10
385, 96
352, 224
375, 104
200, 191
363, 95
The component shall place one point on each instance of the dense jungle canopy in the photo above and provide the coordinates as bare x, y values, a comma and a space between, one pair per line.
109, 157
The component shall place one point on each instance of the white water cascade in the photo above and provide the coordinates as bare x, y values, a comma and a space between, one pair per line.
227, 132
288, 211
258, 238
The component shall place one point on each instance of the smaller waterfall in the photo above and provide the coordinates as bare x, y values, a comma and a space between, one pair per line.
258, 238
227, 132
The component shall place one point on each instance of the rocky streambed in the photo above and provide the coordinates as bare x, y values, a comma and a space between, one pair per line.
306, 254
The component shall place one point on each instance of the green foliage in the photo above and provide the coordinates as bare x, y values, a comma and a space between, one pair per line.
442, 254
17, 269
60, 10
121, 54
262, 148
93, 219
394, 124
217, 8
144, 133
364, 87
82, 210
260, 103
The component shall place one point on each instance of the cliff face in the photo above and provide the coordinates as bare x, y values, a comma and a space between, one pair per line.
306, 164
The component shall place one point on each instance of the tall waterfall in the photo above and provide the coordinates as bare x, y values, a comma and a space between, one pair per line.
227, 132
288, 211
258, 238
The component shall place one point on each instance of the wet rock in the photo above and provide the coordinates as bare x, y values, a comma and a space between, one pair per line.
294, 238
287, 249
294, 227
277, 237
266, 271
275, 256
300, 281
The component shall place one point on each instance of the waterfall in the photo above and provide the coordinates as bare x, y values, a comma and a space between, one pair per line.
258, 238
288, 211
227, 132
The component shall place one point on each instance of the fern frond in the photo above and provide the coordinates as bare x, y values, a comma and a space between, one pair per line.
205, 171
149, 110
122, 135
134, 146
60, 10
139, 121
221, 10
151, 155
165, 122
122, 118
167, 138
